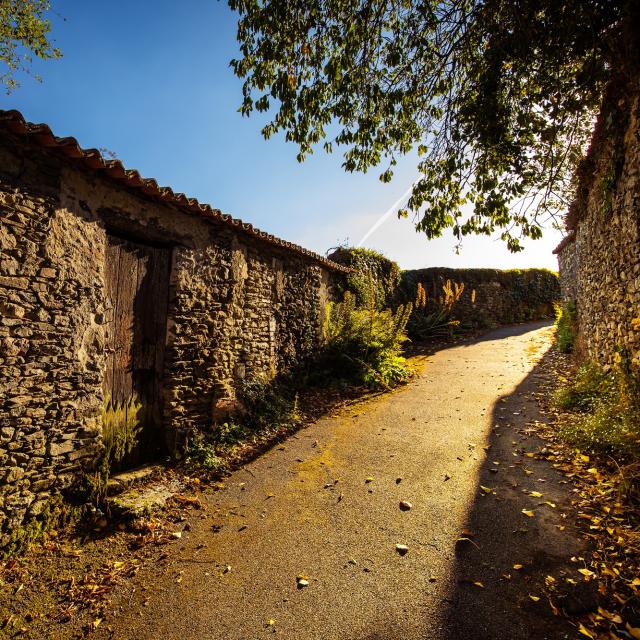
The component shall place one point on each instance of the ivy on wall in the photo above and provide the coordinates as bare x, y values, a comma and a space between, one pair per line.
370, 270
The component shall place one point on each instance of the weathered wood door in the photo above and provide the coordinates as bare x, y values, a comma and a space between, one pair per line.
137, 284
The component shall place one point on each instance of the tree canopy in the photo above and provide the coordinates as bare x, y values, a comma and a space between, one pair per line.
24, 33
498, 97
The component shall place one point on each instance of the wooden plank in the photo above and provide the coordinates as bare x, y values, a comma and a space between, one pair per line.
151, 318
161, 273
112, 259
124, 324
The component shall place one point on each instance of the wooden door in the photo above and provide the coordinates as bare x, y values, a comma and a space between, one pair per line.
137, 284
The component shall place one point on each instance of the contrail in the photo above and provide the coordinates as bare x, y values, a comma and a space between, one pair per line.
383, 218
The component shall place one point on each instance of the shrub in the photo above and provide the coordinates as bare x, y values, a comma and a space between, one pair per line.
609, 408
432, 317
267, 403
591, 385
202, 453
565, 326
364, 343
372, 274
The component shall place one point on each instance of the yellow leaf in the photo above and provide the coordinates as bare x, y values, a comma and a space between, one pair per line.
368, 479
585, 632
479, 584
528, 513
534, 598
584, 458
586, 572
550, 504
271, 622
517, 567
549, 580
633, 631
535, 494
486, 489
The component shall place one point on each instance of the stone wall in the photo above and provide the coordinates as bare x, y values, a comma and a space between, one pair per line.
600, 260
239, 307
491, 296
568, 263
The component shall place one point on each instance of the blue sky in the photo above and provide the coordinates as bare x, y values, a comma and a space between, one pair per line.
151, 82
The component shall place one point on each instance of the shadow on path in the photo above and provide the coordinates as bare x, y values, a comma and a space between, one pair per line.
500, 535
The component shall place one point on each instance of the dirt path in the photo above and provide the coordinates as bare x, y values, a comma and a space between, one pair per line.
326, 505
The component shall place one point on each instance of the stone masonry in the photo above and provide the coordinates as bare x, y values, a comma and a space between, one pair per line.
241, 305
490, 296
600, 257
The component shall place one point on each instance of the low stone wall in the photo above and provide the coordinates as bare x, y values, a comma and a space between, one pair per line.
491, 296
239, 307
600, 260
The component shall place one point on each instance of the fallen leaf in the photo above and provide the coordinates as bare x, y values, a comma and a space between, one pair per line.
586, 573
535, 494
528, 513
534, 598
368, 479
585, 632
634, 632
486, 489
517, 567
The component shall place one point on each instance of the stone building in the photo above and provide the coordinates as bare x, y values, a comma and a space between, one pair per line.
118, 293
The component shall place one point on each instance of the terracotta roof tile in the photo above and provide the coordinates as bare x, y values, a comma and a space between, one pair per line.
93, 159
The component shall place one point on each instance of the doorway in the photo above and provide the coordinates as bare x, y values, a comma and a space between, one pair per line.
137, 289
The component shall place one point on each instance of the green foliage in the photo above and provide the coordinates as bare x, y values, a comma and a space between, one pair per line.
201, 453
432, 317
24, 32
590, 385
372, 274
497, 97
565, 326
608, 410
606, 189
55, 513
363, 344
121, 427
267, 403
